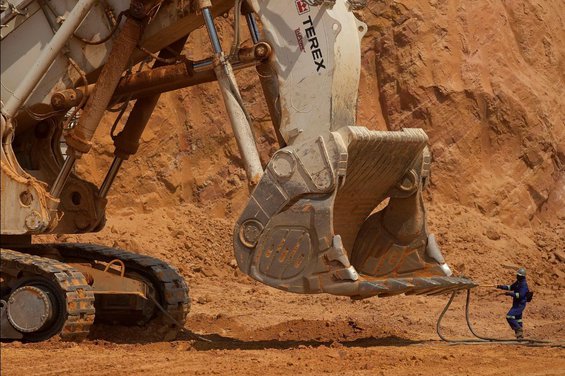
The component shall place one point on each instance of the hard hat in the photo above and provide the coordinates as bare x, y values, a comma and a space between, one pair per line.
521, 272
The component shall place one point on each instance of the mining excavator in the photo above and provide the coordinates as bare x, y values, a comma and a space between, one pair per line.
338, 209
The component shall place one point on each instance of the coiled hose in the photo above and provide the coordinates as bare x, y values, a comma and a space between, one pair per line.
483, 339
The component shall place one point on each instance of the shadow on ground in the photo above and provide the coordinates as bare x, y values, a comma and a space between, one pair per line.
288, 335
217, 342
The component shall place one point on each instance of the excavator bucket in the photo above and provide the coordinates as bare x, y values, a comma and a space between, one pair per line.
313, 223
310, 225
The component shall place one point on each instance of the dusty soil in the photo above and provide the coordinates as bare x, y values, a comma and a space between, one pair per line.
256, 330
485, 79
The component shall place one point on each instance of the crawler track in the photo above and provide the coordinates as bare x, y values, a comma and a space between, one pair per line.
76, 312
171, 289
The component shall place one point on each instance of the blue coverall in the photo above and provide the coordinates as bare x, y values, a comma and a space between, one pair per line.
517, 291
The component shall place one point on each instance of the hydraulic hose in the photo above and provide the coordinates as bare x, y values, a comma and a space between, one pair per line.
483, 339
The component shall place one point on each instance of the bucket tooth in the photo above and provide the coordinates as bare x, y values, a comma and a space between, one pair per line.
399, 284
396, 286
369, 289
423, 285
453, 284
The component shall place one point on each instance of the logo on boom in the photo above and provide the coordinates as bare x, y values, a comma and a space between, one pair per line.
302, 7
315, 49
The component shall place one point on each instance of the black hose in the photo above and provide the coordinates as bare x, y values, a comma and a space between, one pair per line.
480, 338
440, 318
106, 38
175, 321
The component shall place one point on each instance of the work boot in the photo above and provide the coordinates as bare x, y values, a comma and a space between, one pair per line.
519, 333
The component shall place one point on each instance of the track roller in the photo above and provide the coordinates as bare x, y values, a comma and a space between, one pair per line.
42, 298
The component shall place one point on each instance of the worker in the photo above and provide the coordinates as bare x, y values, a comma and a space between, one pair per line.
519, 293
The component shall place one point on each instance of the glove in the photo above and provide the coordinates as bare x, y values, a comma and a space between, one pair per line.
500, 287
511, 293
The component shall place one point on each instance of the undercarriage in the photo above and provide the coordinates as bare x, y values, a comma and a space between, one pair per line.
50, 289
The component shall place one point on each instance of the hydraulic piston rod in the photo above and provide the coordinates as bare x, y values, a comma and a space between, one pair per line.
269, 81
127, 141
162, 79
110, 176
239, 118
80, 137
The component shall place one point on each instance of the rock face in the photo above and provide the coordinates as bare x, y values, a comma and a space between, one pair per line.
485, 80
